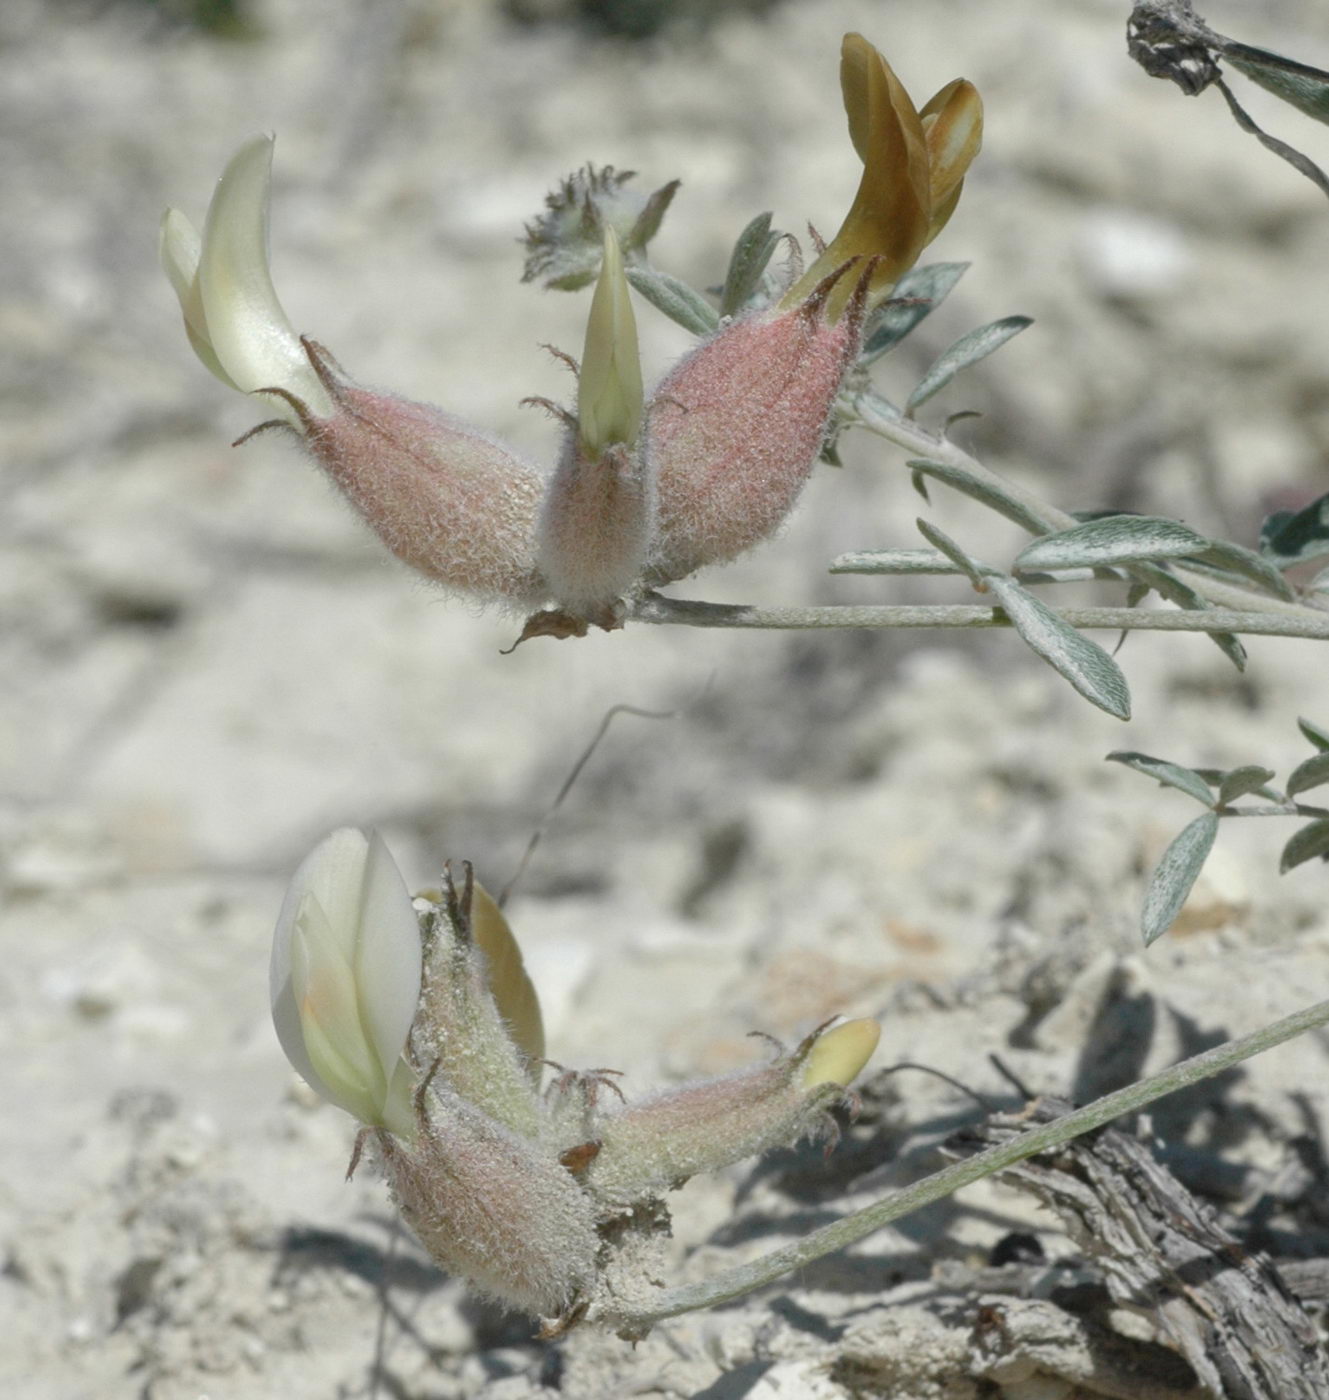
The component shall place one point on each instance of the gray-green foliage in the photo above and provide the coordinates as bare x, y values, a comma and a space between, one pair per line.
1294, 536
1219, 791
968, 350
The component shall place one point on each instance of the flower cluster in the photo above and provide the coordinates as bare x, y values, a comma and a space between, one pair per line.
646, 490
419, 1020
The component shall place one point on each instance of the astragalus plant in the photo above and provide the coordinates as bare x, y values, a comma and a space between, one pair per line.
417, 1017
544, 1185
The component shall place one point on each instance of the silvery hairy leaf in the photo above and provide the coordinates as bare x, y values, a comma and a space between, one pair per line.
963, 562
754, 249
1315, 734
1174, 876
1082, 662
1311, 841
1184, 596
1240, 782
1310, 774
968, 350
915, 296
990, 495
676, 299
1112, 539
1185, 780
1251, 567
893, 561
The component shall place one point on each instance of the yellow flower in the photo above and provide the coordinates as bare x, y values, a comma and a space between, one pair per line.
914, 163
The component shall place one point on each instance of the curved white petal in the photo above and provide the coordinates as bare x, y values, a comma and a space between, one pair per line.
389, 958
345, 978
345, 1067
179, 247
248, 329
281, 988
330, 874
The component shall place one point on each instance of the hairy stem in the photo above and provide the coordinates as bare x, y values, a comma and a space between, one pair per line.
734, 1283
655, 608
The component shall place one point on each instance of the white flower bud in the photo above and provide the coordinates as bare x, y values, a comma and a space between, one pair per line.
345, 979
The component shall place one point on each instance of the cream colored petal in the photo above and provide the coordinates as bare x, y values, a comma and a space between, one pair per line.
282, 991
399, 1107
329, 879
513, 992
345, 978
388, 956
179, 247
346, 1069
249, 331
840, 1054
609, 395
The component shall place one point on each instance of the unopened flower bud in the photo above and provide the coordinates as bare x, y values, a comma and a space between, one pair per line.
837, 1056
345, 979
494, 1207
449, 499
595, 526
654, 1144
609, 393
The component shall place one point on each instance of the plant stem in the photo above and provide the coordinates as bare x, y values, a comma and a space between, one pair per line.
733, 1283
918, 442
655, 608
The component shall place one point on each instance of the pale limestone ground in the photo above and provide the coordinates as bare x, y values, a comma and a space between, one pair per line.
207, 662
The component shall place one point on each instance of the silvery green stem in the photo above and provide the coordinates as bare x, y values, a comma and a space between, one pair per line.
918, 442
734, 1283
1298, 622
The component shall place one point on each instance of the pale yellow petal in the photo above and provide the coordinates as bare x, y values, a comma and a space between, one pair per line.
857, 58
610, 395
840, 1054
512, 989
